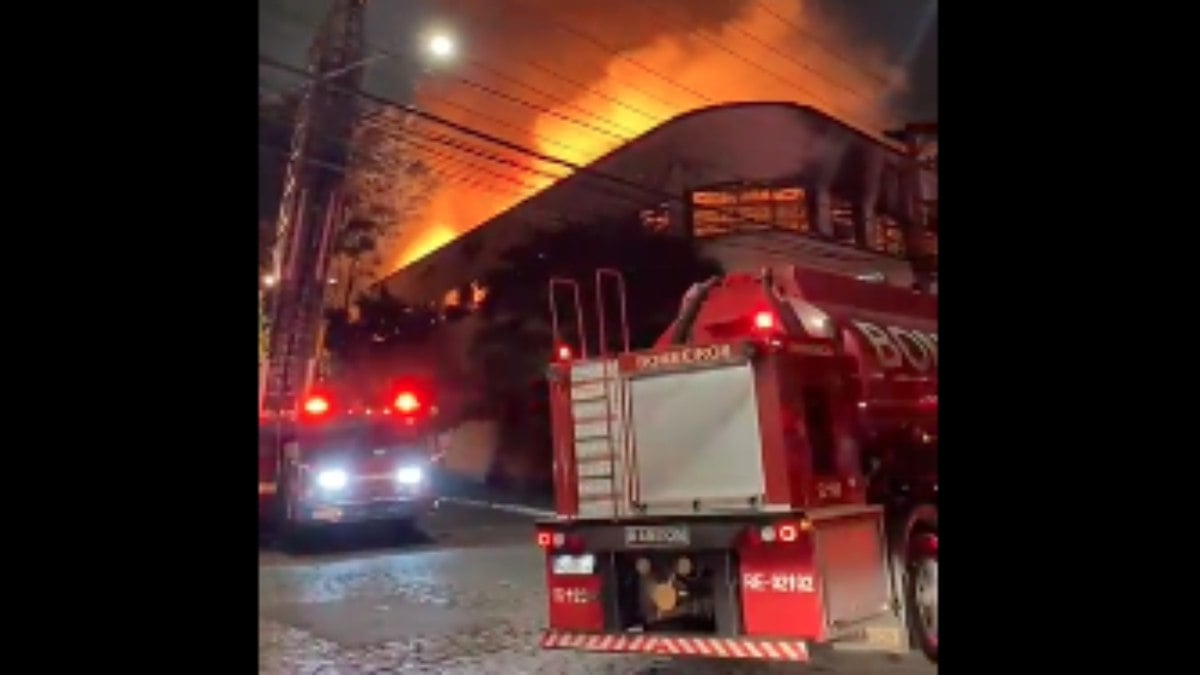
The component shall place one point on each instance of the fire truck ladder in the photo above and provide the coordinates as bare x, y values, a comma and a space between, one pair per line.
601, 445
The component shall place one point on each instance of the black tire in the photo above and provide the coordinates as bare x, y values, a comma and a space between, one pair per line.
920, 592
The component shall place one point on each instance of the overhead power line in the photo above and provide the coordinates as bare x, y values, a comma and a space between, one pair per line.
595, 127
836, 54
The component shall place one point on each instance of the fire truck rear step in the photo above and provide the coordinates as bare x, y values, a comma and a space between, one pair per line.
881, 633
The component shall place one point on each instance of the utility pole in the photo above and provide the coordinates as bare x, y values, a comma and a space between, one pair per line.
312, 209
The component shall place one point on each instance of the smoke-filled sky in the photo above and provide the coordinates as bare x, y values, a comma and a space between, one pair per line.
578, 78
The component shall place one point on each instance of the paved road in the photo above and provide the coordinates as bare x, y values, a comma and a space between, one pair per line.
467, 598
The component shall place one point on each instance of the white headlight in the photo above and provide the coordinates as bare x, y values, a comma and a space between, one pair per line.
410, 475
332, 479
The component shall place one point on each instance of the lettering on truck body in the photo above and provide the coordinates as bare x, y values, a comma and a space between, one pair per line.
683, 357
897, 347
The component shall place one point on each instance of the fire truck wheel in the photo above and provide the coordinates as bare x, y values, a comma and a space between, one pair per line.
921, 591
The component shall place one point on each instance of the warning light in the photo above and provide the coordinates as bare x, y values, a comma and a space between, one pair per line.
564, 353
407, 402
316, 405
764, 320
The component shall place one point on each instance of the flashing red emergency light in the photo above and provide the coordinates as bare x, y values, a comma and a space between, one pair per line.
407, 402
316, 405
764, 320
564, 353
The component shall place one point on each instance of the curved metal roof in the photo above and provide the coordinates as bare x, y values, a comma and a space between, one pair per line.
741, 141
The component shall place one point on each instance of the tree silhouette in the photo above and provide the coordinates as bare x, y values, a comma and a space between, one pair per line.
385, 185
379, 324
388, 187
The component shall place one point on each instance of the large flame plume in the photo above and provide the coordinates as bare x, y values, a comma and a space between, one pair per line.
576, 80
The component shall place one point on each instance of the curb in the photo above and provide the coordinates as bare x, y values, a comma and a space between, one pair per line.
497, 506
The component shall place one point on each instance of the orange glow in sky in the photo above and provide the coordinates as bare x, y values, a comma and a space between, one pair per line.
627, 100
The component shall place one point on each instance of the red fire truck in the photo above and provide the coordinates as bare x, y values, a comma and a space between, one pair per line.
764, 479
350, 454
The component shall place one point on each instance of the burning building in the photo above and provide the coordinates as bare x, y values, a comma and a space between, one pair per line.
752, 184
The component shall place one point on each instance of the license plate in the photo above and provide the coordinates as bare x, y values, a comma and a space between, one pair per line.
667, 535
575, 564
331, 515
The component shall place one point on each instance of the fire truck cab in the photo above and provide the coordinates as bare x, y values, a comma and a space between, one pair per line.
762, 480
349, 456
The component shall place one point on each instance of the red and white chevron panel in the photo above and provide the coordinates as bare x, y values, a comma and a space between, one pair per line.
712, 647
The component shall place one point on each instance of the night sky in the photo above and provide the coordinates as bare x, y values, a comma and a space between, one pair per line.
904, 29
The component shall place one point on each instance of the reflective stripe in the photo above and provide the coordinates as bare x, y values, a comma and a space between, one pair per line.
735, 648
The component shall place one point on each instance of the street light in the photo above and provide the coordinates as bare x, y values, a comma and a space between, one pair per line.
441, 46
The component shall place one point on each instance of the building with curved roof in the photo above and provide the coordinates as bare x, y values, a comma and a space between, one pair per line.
754, 184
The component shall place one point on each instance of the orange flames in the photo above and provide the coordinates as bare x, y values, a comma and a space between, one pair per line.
624, 99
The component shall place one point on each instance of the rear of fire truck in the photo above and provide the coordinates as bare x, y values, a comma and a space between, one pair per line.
355, 454
718, 495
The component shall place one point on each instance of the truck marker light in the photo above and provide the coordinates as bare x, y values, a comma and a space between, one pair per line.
764, 320
788, 533
543, 539
564, 353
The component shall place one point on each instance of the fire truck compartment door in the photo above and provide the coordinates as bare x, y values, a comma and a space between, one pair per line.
696, 438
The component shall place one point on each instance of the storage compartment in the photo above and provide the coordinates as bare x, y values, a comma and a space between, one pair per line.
697, 446
850, 551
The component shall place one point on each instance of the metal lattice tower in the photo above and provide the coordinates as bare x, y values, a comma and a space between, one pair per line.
311, 209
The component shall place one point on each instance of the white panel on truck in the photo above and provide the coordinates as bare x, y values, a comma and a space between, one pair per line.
697, 437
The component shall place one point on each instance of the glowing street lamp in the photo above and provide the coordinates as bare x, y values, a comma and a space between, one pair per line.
441, 46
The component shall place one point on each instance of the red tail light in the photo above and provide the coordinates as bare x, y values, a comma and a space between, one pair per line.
564, 353
782, 533
407, 402
316, 405
764, 321
559, 541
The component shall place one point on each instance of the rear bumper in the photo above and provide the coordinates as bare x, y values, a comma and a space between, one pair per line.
362, 512
757, 649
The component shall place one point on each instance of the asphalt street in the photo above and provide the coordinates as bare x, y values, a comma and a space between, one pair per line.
464, 596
